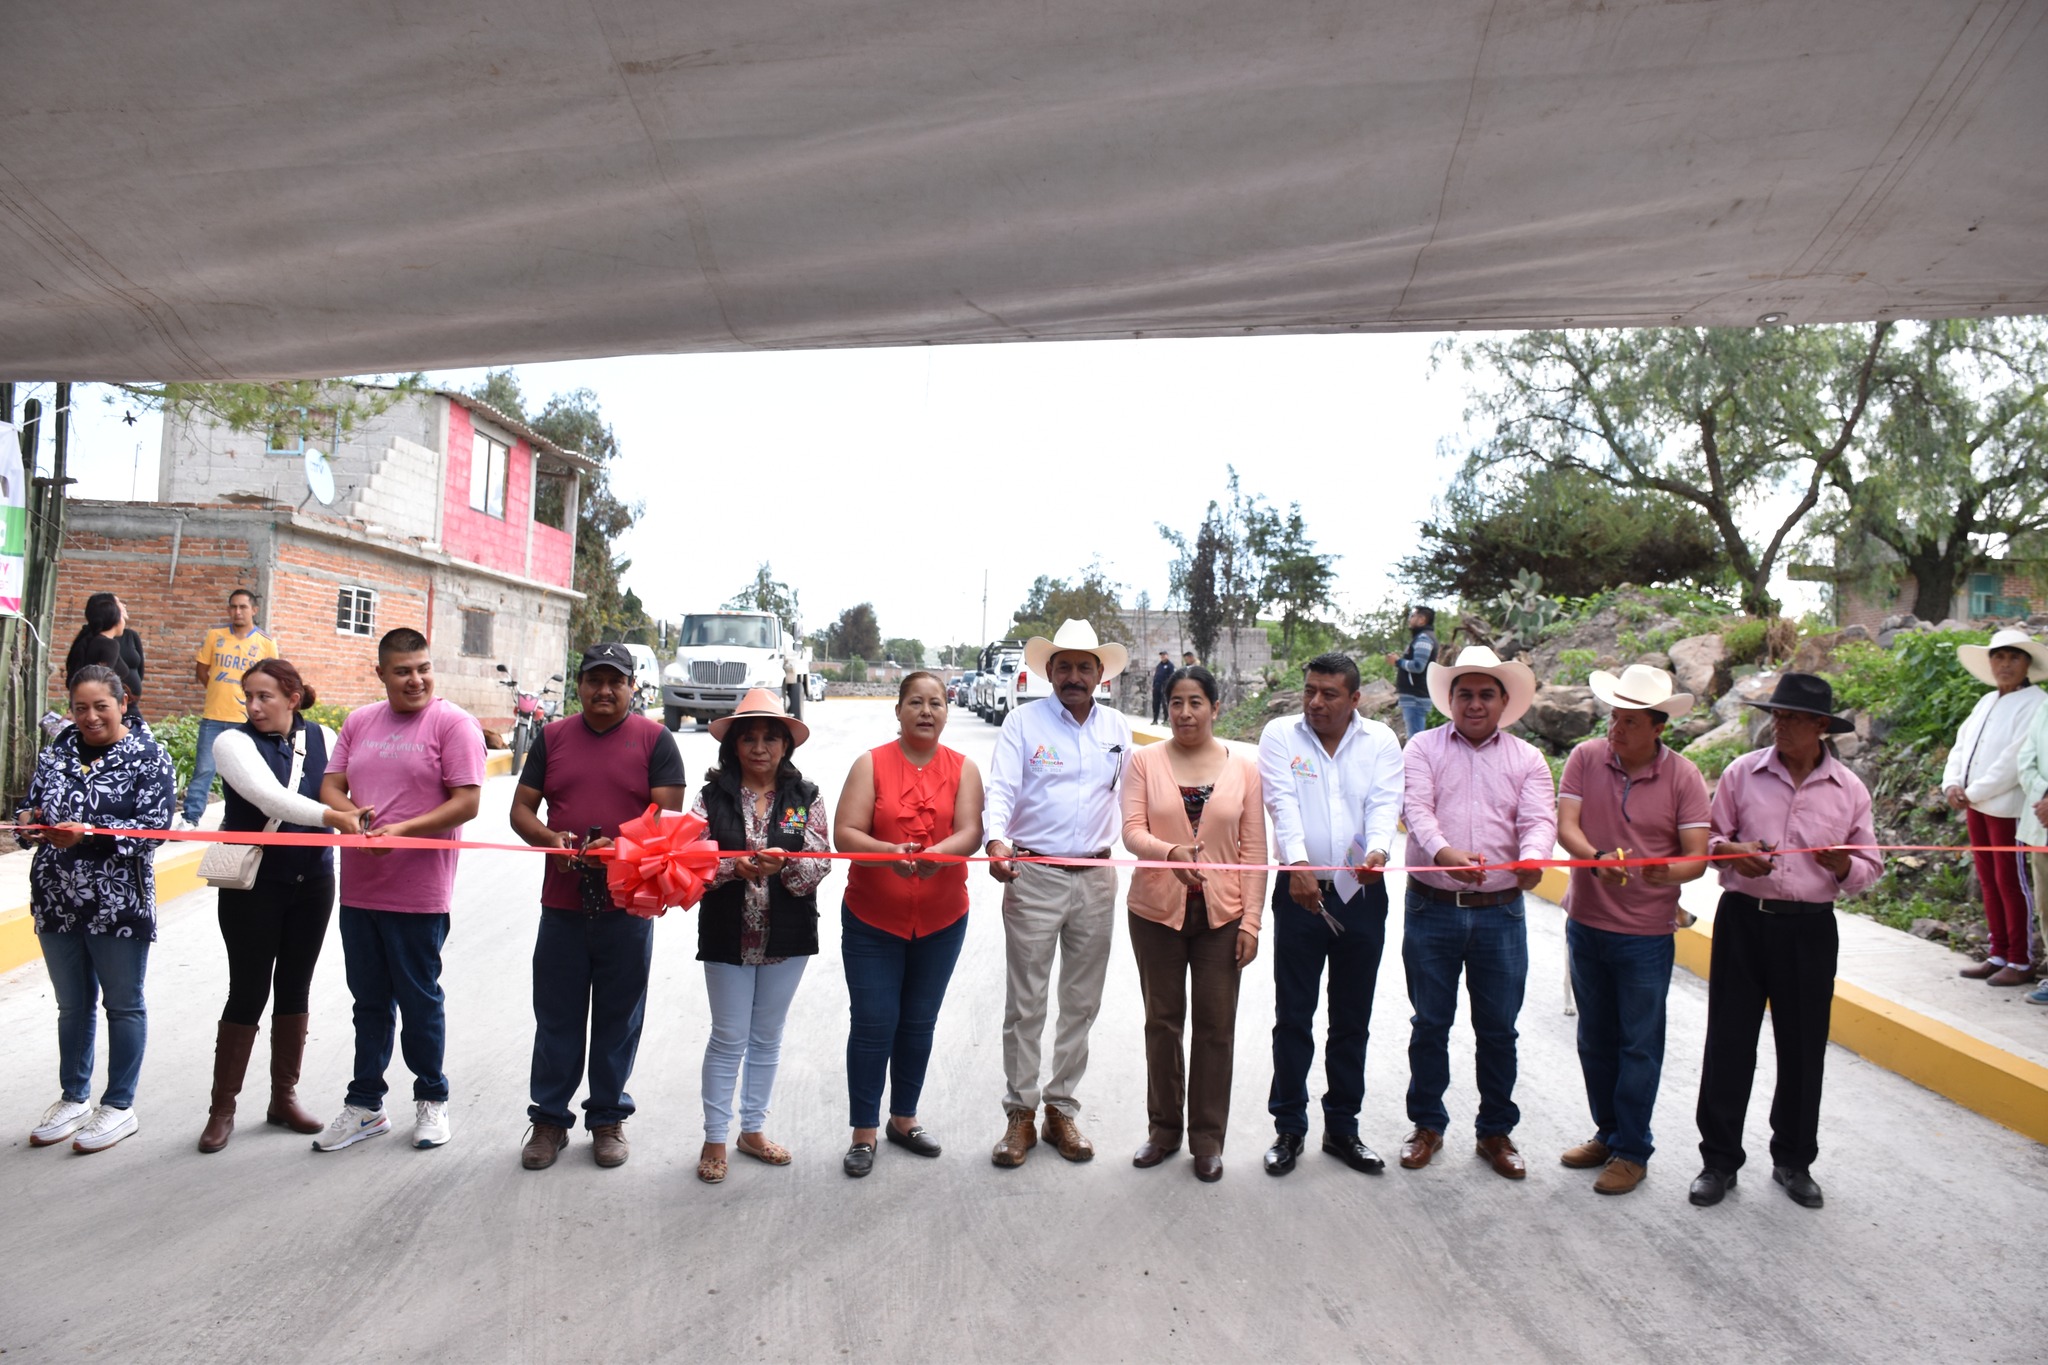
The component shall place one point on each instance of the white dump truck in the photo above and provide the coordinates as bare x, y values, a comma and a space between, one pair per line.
721, 655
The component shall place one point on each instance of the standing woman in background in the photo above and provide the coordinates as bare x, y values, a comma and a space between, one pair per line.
101, 641
902, 924
271, 766
1982, 780
94, 901
1192, 801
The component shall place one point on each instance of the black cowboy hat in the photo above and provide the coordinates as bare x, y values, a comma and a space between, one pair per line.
1808, 694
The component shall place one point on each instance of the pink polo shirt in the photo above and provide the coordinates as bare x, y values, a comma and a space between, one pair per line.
1492, 799
1641, 814
405, 765
1756, 799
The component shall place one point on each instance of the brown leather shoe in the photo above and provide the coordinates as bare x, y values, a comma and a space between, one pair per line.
542, 1143
608, 1144
1419, 1147
2010, 975
287, 1052
1499, 1150
1018, 1139
1066, 1135
1150, 1154
1620, 1176
1587, 1155
231, 1046
1209, 1169
1978, 971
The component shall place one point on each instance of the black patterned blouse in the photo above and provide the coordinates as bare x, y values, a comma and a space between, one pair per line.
103, 884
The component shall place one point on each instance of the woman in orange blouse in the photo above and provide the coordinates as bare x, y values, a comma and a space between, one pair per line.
1192, 800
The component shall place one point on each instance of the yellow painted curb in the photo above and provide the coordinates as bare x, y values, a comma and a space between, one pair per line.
498, 763
1989, 1080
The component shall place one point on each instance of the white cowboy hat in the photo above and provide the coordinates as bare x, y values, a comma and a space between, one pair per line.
1640, 688
1516, 677
1977, 658
1075, 637
760, 703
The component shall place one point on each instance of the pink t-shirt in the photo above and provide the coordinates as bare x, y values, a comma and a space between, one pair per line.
405, 765
1641, 814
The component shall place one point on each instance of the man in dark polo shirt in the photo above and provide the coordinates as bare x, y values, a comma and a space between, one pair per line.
596, 771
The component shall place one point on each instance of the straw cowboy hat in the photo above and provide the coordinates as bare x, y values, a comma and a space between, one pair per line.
1808, 694
763, 704
1977, 658
1640, 688
1075, 637
1516, 678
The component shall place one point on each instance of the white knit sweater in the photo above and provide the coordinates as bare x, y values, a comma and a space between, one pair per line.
1985, 761
241, 767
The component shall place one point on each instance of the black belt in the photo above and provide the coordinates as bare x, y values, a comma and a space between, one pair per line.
1779, 907
1023, 852
1465, 900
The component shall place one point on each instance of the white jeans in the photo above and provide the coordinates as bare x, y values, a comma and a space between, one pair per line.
748, 1007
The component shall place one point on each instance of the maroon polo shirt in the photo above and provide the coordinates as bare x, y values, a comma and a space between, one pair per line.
1642, 815
586, 778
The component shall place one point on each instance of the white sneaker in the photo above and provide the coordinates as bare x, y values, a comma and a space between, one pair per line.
352, 1124
183, 823
106, 1127
60, 1121
431, 1129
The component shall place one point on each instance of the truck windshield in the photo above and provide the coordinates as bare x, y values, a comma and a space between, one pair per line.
743, 632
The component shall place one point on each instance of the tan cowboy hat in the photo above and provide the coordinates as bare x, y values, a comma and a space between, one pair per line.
765, 704
1977, 658
1516, 677
1075, 637
1640, 688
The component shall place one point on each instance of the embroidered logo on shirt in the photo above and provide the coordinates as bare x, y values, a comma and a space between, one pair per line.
795, 818
1047, 758
1301, 767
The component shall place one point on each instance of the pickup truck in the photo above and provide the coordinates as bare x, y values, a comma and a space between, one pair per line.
721, 655
999, 660
1025, 686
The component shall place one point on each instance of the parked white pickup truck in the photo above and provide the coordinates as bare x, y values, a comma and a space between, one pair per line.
1025, 686
721, 655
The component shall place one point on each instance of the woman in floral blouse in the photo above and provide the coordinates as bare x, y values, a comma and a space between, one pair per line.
94, 901
757, 926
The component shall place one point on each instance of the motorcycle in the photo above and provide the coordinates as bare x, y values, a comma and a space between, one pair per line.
530, 711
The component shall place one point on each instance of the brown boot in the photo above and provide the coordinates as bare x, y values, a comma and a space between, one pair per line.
1018, 1139
1062, 1132
287, 1050
231, 1046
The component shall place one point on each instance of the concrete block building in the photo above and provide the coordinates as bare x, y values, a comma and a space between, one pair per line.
447, 516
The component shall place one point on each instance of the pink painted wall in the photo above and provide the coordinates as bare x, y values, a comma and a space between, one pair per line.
490, 541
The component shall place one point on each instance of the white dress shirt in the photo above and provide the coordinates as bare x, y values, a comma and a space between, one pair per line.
1320, 801
1053, 781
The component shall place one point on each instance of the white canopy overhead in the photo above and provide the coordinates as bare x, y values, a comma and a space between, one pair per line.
341, 186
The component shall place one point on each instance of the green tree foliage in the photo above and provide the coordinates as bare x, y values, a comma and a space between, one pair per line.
1246, 558
575, 421
908, 652
1578, 532
1295, 579
294, 411
1955, 462
853, 636
1917, 686
768, 593
959, 656
1092, 597
1718, 418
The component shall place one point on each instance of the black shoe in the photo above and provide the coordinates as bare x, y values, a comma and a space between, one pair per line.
1801, 1186
859, 1159
917, 1139
1354, 1153
1280, 1156
1709, 1185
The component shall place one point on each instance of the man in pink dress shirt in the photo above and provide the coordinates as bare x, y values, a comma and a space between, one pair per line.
1475, 797
1774, 932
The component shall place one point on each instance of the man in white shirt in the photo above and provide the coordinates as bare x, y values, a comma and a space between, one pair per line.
1332, 784
1052, 793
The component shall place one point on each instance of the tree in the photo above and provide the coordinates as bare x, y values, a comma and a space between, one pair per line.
767, 593
856, 636
1092, 598
294, 411
907, 652
1293, 577
1954, 463
1720, 418
958, 656
1579, 532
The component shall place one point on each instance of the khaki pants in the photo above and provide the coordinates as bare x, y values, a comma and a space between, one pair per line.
1048, 911
1168, 959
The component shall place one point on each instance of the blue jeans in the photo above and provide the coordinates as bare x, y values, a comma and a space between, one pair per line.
1620, 981
83, 968
1490, 946
202, 767
1414, 716
393, 961
589, 979
1301, 944
894, 987
748, 1008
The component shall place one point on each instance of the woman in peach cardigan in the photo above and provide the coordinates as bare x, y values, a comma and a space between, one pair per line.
1192, 801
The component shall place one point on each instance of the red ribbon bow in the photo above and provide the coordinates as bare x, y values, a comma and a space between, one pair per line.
661, 858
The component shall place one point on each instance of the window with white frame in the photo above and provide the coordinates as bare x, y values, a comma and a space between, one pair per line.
355, 611
489, 464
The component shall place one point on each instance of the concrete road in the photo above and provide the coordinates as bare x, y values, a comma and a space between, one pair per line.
271, 1252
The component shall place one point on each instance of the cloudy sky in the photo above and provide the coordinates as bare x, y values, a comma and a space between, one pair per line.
904, 476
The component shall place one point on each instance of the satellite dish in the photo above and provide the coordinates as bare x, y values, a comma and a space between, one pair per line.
319, 475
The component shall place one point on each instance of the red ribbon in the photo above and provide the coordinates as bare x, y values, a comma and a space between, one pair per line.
660, 859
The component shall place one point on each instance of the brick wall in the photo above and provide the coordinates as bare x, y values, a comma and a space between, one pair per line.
311, 571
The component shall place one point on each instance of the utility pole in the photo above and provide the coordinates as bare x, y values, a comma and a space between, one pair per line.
984, 606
